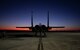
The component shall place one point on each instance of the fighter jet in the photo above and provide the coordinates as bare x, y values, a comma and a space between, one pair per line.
40, 27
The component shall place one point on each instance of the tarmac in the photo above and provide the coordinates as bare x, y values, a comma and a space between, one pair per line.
53, 41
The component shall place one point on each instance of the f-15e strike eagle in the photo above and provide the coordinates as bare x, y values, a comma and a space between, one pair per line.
40, 27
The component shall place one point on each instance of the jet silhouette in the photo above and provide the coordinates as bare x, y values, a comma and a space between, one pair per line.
40, 27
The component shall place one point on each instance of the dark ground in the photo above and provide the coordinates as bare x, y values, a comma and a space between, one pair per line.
53, 41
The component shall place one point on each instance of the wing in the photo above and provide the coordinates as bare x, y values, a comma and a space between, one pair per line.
27, 28
56, 27
23, 27
50, 28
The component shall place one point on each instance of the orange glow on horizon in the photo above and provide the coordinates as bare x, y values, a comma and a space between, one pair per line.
52, 29
64, 29
13, 28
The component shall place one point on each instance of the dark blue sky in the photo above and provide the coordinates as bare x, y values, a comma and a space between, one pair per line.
18, 12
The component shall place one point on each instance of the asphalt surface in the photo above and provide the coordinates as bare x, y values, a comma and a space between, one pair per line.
53, 41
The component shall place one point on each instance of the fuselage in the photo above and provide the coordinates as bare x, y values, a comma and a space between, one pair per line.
40, 28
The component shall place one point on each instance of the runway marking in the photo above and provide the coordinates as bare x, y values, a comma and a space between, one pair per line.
40, 44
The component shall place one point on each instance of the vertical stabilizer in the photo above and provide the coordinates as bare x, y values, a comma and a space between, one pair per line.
48, 19
32, 19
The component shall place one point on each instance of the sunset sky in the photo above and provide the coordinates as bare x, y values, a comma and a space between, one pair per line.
18, 13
